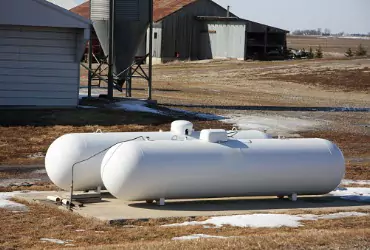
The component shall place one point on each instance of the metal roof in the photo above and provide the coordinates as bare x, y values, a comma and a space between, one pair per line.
164, 8
218, 18
161, 8
40, 13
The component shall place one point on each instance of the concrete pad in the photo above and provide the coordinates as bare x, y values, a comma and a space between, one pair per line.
113, 210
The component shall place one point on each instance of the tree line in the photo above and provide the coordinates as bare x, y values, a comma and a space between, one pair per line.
324, 32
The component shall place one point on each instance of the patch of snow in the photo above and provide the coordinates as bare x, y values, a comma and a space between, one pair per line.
349, 109
39, 171
264, 220
199, 236
57, 241
356, 37
5, 202
355, 182
36, 155
197, 114
136, 106
272, 124
86, 107
353, 194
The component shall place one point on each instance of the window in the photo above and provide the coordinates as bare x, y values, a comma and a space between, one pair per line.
155, 35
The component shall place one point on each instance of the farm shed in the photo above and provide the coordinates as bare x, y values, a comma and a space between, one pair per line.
202, 29
40, 49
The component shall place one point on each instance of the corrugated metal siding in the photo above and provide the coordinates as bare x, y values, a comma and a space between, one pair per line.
127, 10
227, 40
38, 66
99, 10
181, 32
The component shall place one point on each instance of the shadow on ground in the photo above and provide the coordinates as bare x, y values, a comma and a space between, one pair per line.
272, 108
93, 116
252, 204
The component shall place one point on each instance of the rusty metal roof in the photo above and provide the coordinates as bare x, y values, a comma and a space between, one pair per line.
161, 8
82, 9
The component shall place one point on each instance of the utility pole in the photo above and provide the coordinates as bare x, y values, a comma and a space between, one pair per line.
111, 50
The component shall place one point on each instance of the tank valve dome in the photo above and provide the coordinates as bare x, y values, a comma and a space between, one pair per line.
182, 128
213, 135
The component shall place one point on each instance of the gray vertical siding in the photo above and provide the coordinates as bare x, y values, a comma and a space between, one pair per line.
181, 32
39, 66
227, 39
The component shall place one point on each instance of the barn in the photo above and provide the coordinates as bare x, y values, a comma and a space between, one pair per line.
40, 49
202, 29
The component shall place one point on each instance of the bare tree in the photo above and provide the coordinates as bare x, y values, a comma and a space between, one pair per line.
327, 31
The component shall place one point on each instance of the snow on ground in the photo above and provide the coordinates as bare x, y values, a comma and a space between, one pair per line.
356, 37
272, 124
265, 220
199, 236
57, 241
354, 182
85, 95
136, 106
353, 194
5, 202
197, 114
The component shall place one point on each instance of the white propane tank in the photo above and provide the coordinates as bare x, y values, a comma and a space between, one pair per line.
155, 170
69, 149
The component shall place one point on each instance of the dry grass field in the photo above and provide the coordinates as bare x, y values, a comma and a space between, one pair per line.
332, 46
24, 231
312, 90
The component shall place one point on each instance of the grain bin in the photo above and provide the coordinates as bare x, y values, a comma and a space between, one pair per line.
160, 170
131, 21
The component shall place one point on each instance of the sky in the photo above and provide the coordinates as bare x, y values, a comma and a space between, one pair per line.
350, 16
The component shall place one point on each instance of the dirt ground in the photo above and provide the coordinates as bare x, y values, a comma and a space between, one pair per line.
333, 47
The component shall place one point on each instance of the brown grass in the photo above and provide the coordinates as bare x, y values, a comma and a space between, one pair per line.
27, 132
353, 145
24, 230
245, 83
331, 79
38, 186
330, 45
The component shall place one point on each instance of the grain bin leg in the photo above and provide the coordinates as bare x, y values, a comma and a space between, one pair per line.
293, 197
161, 202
